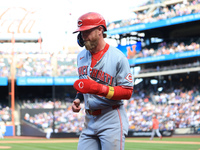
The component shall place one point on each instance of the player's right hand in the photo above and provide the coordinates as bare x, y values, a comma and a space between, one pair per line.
76, 105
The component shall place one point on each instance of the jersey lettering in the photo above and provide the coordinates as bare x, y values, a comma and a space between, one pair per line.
82, 70
102, 76
107, 76
94, 73
111, 80
98, 74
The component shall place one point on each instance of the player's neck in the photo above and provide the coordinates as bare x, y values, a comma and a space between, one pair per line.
99, 47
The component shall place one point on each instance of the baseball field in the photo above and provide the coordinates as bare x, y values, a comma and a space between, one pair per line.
169, 143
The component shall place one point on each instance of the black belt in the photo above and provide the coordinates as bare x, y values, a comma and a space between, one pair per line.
99, 111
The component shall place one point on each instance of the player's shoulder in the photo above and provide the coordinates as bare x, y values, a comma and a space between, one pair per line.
116, 51
82, 53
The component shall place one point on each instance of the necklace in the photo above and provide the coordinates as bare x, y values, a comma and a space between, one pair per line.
98, 57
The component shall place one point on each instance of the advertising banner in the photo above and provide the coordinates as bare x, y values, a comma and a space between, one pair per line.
46, 81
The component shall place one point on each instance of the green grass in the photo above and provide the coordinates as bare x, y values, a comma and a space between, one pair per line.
128, 145
158, 146
41, 146
189, 139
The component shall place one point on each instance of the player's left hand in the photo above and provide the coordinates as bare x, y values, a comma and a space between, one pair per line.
76, 105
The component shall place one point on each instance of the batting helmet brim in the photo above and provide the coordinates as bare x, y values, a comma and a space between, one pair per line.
84, 28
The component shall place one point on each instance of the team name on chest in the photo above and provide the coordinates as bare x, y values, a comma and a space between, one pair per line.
95, 73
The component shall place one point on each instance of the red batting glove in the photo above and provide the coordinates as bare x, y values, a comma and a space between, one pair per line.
91, 87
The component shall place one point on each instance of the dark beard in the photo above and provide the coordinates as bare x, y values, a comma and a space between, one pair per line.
89, 45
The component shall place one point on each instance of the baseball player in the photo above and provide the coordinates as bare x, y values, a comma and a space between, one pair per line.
155, 128
104, 82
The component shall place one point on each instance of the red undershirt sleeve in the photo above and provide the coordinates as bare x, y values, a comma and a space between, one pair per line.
122, 93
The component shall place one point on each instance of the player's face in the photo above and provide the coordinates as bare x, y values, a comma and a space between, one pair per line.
91, 38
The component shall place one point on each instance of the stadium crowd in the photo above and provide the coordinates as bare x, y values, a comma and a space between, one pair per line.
160, 13
46, 64
40, 103
177, 109
169, 48
39, 65
65, 120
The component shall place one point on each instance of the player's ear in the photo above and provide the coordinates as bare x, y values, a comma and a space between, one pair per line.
80, 40
103, 30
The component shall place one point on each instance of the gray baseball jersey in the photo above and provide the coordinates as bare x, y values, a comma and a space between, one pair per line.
112, 125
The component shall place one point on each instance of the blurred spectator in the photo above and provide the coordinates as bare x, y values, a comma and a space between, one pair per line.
5, 114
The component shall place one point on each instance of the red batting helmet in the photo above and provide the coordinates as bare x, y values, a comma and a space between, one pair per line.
90, 20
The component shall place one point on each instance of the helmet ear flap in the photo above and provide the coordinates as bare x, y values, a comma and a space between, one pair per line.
80, 40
